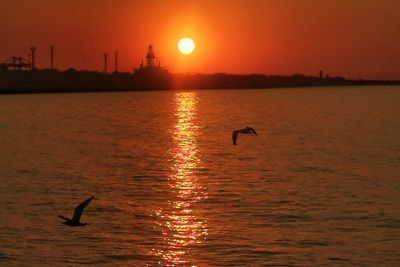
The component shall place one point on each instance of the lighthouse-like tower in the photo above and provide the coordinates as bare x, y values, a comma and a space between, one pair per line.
151, 64
150, 57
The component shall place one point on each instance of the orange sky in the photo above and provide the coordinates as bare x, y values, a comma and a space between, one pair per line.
355, 39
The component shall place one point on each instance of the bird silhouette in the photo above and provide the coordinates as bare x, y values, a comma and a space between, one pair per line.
247, 130
75, 221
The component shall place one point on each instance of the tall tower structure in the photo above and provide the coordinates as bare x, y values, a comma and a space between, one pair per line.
52, 57
33, 63
105, 62
150, 57
116, 60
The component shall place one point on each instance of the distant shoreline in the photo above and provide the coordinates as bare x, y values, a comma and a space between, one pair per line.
72, 81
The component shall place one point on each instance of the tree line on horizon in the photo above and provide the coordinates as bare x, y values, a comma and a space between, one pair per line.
71, 80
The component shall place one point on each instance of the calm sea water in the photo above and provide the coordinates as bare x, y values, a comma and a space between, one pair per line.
319, 185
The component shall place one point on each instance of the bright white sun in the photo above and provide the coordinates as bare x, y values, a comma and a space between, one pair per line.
186, 46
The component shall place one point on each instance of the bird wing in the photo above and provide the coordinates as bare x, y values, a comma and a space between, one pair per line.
254, 131
79, 209
234, 136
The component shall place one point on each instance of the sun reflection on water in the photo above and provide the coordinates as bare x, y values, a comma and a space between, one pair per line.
180, 223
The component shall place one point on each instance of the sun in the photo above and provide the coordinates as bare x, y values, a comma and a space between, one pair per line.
186, 46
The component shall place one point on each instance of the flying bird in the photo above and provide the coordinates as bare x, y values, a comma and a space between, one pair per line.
247, 130
75, 221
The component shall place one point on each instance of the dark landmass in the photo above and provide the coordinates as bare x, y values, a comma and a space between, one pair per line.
54, 81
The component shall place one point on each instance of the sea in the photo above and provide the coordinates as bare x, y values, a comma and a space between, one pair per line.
318, 186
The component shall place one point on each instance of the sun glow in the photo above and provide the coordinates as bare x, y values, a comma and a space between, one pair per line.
186, 46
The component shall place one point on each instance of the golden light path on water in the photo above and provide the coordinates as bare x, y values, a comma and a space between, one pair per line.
182, 229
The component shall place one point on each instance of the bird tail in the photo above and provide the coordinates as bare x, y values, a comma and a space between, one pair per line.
62, 217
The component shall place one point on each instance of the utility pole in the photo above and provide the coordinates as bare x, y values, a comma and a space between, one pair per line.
105, 62
116, 60
52, 57
33, 51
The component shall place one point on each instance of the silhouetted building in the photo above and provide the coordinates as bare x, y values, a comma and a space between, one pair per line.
152, 63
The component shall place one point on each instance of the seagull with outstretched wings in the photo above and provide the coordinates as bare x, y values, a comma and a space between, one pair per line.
75, 221
247, 130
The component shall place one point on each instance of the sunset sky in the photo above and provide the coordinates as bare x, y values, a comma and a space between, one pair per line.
350, 38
